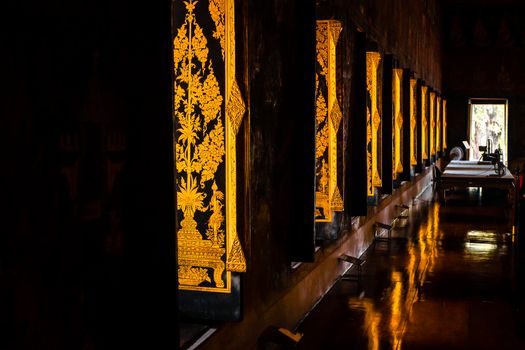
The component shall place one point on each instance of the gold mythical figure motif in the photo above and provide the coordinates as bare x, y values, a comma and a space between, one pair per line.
413, 122
432, 128
398, 121
424, 122
328, 120
207, 238
373, 124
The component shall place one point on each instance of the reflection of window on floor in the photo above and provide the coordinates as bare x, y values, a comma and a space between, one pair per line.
488, 127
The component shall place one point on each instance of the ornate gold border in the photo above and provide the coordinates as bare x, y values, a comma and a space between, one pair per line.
235, 110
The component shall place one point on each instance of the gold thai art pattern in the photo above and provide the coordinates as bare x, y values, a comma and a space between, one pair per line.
413, 122
438, 123
432, 128
373, 120
204, 145
444, 124
398, 121
328, 120
218, 14
424, 122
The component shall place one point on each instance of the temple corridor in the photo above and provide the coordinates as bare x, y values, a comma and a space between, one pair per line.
444, 281
208, 174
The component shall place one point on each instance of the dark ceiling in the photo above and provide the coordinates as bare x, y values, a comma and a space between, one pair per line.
477, 4
482, 2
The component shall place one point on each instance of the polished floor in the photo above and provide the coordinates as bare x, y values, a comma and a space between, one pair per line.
452, 278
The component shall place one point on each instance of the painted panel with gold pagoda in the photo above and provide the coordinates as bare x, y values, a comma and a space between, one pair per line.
208, 111
328, 121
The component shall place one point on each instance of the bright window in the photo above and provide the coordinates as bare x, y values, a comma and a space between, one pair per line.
488, 127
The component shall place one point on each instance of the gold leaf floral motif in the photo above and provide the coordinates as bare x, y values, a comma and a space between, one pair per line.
189, 198
193, 276
199, 45
321, 109
216, 8
322, 127
210, 96
210, 152
322, 48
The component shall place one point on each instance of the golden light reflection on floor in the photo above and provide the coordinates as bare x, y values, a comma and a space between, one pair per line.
482, 244
396, 309
404, 288
372, 320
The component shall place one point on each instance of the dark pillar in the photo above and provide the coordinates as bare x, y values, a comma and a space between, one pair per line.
355, 187
386, 125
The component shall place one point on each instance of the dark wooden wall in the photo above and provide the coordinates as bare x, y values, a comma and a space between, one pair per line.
279, 45
484, 51
270, 26
408, 29
278, 102
87, 243
87, 251
409, 32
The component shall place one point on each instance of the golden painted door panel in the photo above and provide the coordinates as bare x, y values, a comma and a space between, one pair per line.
432, 125
373, 120
208, 111
397, 83
413, 122
424, 123
328, 122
